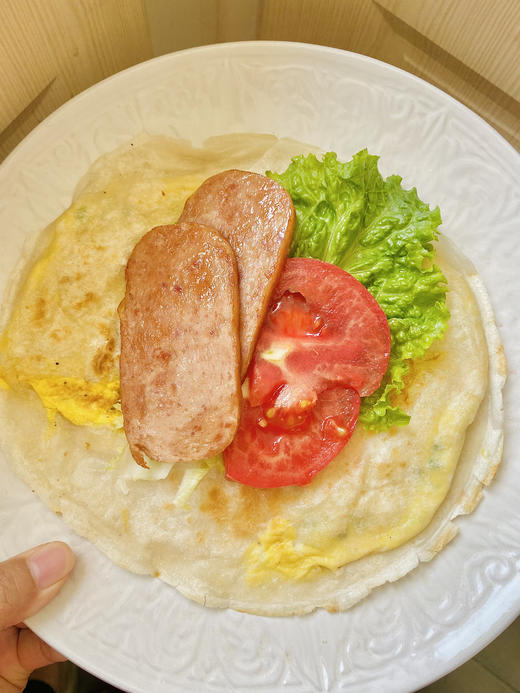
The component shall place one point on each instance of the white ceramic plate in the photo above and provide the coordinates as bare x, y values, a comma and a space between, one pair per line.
136, 632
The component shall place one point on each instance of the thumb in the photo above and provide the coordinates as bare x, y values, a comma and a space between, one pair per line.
30, 580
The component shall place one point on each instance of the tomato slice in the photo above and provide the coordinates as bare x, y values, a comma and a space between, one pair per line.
266, 456
322, 327
324, 343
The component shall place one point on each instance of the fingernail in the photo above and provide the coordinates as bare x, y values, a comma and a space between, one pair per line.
50, 564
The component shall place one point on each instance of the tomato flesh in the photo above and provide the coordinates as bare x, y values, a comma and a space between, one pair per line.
288, 409
323, 327
266, 456
325, 342
293, 316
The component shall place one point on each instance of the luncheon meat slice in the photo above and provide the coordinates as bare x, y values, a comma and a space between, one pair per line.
180, 353
256, 215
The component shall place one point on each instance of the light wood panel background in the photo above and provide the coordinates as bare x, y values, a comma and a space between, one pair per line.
51, 50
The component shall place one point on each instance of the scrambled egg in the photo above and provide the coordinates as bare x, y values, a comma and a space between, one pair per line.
278, 551
81, 402
62, 338
374, 521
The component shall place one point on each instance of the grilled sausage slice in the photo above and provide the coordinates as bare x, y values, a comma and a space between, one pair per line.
256, 215
180, 350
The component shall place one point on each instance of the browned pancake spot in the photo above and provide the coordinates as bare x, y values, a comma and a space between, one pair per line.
216, 504
250, 510
90, 297
103, 361
40, 310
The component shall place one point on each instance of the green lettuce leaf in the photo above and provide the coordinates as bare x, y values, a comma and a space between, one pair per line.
348, 215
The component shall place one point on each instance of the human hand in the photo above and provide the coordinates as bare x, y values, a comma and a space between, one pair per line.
27, 583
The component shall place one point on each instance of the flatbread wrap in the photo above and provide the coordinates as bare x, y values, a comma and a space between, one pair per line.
384, 504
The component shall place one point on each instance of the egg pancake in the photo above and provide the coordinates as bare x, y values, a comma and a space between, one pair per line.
383, 505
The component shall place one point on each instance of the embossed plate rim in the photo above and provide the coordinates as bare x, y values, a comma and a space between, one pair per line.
283, 646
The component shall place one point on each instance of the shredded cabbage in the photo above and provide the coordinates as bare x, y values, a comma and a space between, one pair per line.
191, 479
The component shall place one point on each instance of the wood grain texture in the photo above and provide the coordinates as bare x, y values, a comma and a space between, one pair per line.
187, 23
26, 71
367, 27
55, 49
471, 677
482, 34
181, 24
